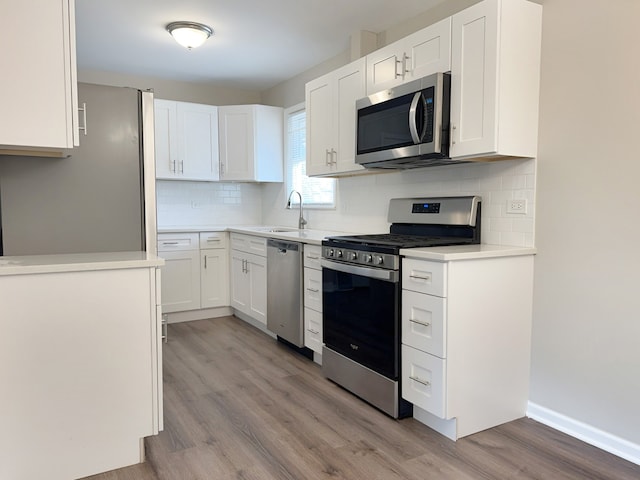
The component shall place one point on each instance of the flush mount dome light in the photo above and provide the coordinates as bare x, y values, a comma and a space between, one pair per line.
189, 34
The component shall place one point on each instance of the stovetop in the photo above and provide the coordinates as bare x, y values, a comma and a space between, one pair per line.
398, 240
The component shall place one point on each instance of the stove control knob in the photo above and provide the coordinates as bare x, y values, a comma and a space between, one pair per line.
339, 254
368, 258
353, 256
331, 252
379, 260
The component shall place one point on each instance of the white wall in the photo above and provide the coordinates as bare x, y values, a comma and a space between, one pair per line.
586, 330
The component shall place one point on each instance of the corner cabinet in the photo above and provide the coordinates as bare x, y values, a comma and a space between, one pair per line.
465, 352
420, 54
186, 141
495, 79
331, 120
181, 271
251, 143
39, 95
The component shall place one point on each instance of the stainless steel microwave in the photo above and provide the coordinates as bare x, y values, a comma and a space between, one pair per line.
406, 126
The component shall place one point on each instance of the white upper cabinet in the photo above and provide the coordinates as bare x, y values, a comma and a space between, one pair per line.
186, 141
331, 120
495, 79
251, 143
39, 95
420, 54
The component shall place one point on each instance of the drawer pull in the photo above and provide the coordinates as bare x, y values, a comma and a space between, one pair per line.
213, 240
419, 380
312, 258
420, 277
170, 243
314, 290
419, 322
315, 332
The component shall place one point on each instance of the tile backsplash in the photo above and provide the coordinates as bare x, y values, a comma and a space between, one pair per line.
182, 204
362, 201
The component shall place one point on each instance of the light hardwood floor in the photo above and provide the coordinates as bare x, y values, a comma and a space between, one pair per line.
238, 405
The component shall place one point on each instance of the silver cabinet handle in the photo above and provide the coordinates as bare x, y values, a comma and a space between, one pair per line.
83, 109
327, 159
419, 277
314, 290
169, 243
221, 169
165, 328
419, 380
313, 258
213, 240
205, 262
419, 322
395, 73
405, 57
173, 166
315, 332
181, 166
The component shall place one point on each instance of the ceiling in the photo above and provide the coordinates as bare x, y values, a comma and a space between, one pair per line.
256, 43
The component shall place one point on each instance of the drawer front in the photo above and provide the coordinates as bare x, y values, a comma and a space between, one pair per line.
424, 276
313, 330
313, 289
172, 242
424, 322
249, 243
312, 255
214, 240
423, 380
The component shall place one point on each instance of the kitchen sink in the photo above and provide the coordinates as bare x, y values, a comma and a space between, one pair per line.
274, 229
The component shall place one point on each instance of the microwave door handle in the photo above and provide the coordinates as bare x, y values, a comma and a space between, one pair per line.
413, 120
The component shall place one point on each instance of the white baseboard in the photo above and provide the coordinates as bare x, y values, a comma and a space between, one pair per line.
587, 433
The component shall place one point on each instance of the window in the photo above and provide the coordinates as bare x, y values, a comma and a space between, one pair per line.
316, 192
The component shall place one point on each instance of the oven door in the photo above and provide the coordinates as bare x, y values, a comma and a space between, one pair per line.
360, 311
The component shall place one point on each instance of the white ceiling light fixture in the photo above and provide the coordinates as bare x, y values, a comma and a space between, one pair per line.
189, 34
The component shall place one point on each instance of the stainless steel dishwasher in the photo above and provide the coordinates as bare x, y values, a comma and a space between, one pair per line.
284, 291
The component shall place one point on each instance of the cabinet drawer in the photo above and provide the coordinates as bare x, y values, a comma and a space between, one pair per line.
213, 240
313, 289
423, 322
313, 330
312, 255
423, 380
424, 276
170, 242
249, 243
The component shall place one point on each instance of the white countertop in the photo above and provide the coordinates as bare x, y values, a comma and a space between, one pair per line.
313, 237
77, 262
193, 229
466, 252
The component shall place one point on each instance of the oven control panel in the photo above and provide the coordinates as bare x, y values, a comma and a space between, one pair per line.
359, 257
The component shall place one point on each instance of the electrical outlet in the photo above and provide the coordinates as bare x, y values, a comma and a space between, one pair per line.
517, 205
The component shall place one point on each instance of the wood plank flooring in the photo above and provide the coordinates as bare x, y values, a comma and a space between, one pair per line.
238, 405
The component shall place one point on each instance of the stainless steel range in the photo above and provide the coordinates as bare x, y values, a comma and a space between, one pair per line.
361, 276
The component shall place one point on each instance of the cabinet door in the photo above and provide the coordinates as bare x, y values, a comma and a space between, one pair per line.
424, 380
240, 285
39, 95
214, 274
258, 287
319, 101
166, 141
180, 281
385, 67
428, 50
197, 141
236, 136
474, 80
349, 86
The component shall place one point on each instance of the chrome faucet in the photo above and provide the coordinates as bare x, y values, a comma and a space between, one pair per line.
301, 221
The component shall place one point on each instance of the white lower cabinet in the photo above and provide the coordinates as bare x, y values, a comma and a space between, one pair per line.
249, 276
214, 270
181, 272
312, 298
196, 270
466, 350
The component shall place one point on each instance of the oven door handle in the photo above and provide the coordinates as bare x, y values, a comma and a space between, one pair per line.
384, 275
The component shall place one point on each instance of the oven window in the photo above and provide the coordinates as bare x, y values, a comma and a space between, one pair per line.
360, 320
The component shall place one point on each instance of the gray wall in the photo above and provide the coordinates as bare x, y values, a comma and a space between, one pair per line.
586, 330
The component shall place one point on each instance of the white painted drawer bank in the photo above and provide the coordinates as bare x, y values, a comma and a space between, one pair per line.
80, 363
466, 334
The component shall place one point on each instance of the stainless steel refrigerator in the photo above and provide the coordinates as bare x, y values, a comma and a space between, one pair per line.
93, 200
